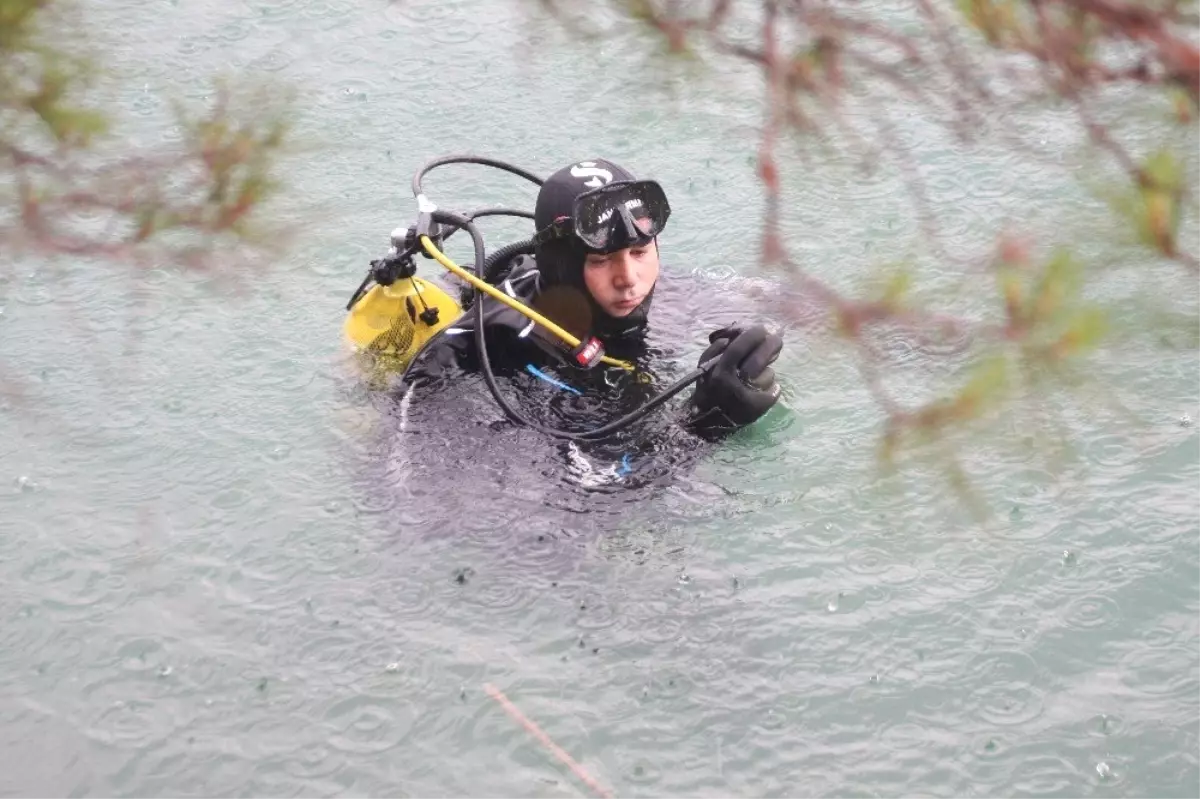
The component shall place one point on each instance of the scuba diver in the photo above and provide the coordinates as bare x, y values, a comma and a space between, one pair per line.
592, 266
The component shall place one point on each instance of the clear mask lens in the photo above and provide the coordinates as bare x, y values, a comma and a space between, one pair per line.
621, 215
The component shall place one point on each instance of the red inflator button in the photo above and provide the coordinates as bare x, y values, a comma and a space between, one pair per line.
588, 353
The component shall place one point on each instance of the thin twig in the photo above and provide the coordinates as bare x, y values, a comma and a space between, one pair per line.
536, 732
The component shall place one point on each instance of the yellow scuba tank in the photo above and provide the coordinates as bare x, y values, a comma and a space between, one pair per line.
390, 324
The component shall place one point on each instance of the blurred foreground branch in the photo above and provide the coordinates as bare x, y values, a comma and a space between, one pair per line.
829, 69
74, 190
71, 187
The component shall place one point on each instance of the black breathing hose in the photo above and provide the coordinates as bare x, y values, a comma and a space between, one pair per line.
490, 378
477, 214
486, 268
493, 268
468, 159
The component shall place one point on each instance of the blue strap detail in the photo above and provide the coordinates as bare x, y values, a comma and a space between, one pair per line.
533, 370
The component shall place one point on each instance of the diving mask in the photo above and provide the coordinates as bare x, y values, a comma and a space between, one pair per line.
612, 217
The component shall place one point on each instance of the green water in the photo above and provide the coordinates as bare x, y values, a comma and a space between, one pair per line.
220, 579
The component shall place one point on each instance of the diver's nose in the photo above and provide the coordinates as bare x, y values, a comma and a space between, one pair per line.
624, 270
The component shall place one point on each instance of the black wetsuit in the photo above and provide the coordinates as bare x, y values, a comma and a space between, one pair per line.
540, 381
520, 350
441, 461
448, 461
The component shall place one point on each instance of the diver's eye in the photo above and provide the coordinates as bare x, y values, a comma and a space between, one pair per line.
596, 260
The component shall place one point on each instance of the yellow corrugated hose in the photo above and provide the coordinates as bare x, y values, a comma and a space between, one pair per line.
492, 291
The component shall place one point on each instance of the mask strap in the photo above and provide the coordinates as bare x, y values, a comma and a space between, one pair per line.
558, 229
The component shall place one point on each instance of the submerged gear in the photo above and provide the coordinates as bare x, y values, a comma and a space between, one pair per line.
741, 387
575, 199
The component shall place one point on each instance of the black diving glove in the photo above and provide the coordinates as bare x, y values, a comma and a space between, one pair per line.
741, 387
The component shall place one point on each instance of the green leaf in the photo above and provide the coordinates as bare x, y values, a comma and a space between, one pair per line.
988, 380
1085, 328
893, 286
1164, 170
1062, 279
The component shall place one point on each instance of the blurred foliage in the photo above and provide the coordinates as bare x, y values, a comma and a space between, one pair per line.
825, 65
73, 186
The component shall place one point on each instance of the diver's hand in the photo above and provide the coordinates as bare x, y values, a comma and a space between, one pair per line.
741, 386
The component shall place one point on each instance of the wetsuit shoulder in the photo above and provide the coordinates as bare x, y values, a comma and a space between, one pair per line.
506, 331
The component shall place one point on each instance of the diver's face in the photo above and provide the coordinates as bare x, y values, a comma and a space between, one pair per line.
619, 281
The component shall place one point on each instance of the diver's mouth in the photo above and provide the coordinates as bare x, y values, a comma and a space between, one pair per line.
627, 305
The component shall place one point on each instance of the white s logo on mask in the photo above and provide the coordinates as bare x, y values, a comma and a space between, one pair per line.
588, 169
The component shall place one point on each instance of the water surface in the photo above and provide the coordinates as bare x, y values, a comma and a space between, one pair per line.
229, 572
